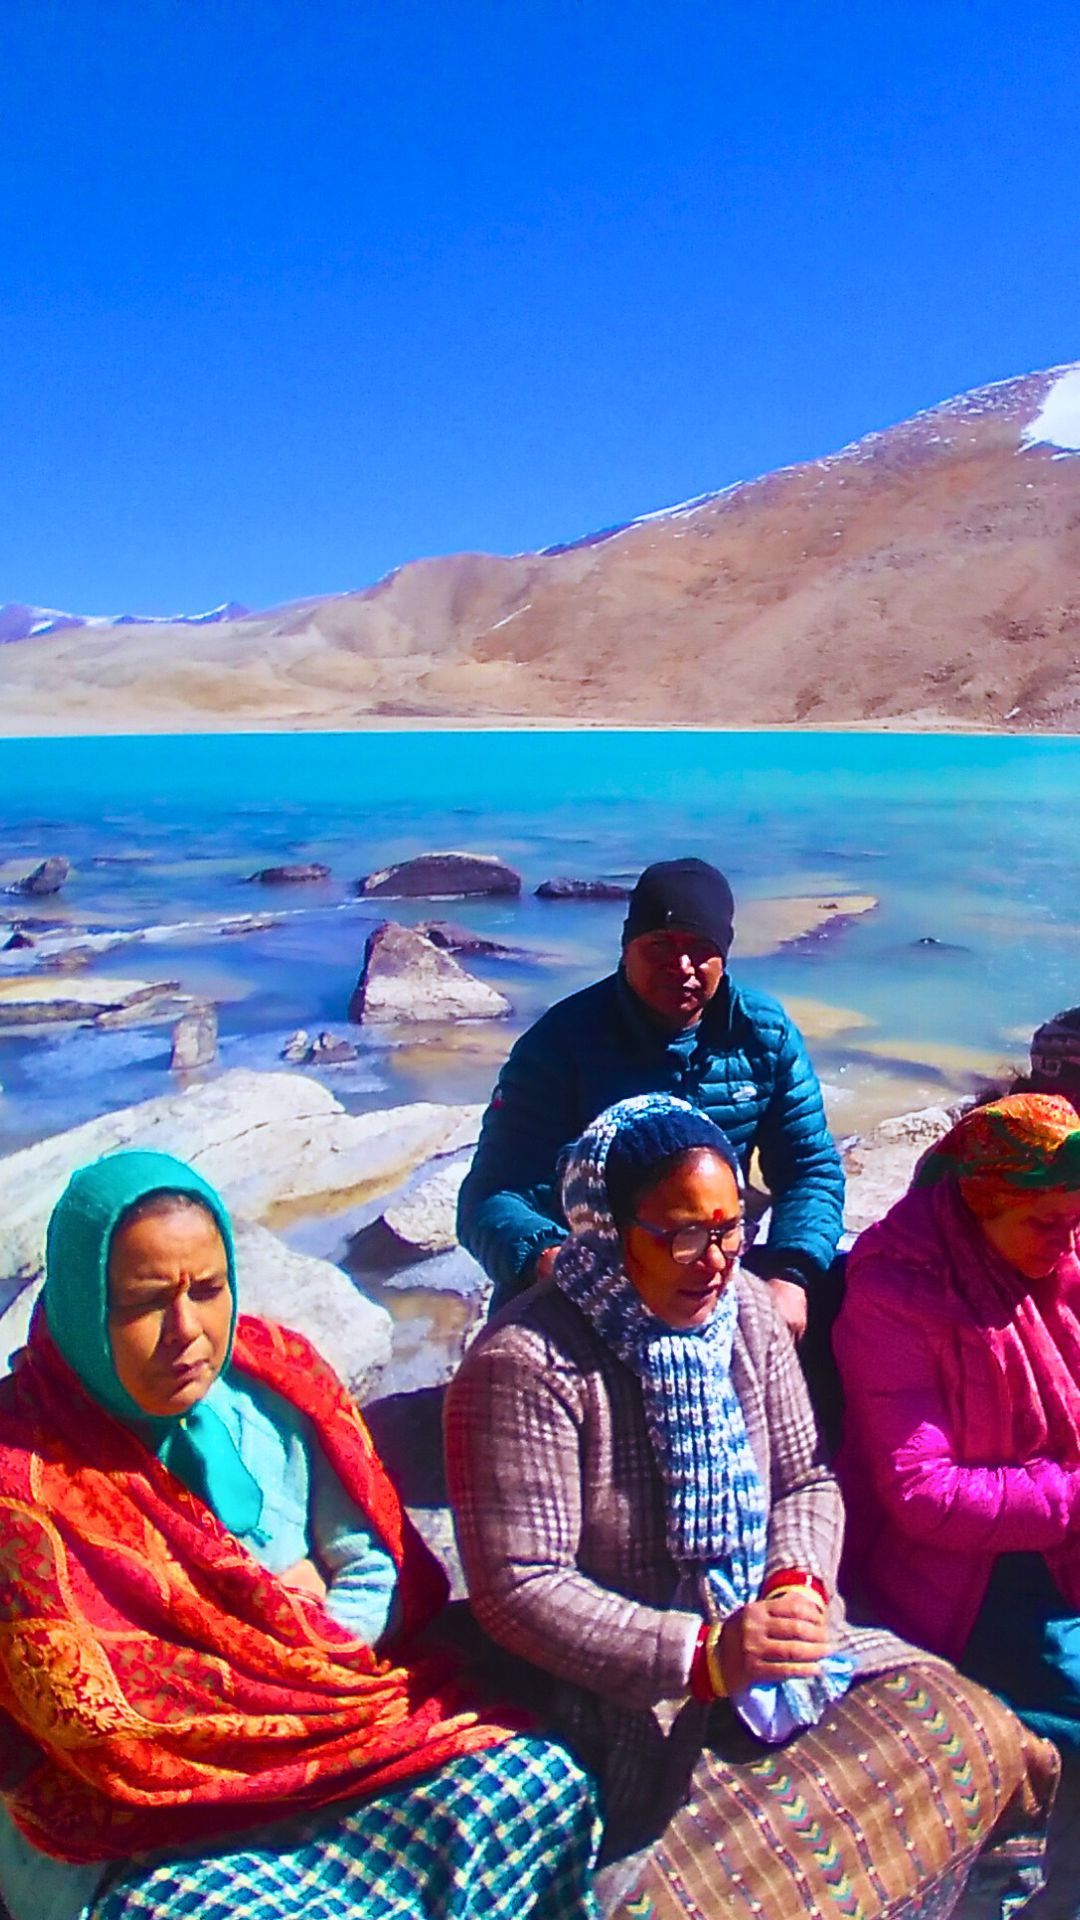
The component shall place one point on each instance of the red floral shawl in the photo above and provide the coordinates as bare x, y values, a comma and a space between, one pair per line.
172, 1689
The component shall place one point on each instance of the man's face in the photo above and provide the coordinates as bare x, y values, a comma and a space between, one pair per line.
674, 973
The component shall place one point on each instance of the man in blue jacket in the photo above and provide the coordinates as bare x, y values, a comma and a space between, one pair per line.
670, 1020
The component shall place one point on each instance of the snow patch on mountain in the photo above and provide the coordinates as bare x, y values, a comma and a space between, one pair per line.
18, 622
1057, 423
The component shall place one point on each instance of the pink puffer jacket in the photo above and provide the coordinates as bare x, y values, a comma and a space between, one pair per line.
935, 1481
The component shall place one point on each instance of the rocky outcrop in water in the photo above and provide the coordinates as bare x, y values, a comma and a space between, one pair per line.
49, 877
291, 876
454, 938
30, 1001
562, 888
406, 978
441, 876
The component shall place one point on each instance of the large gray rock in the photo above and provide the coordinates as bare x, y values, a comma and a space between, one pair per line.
880, 1164
441, 876
277, 1145
406, 978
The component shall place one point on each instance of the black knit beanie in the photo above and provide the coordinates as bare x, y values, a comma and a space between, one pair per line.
687, 895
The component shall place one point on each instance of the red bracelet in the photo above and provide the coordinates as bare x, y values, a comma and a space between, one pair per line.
795, 1577
700, 1681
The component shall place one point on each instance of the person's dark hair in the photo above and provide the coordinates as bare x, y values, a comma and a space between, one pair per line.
164, 1200
627, 1199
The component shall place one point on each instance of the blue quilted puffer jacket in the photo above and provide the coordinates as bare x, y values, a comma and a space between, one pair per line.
745, 1065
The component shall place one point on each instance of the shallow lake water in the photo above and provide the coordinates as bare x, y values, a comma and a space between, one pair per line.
964, 842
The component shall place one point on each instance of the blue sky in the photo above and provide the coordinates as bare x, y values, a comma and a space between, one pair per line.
293, 291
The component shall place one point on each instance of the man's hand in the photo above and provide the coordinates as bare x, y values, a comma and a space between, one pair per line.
544, 1264
784, 1637
789, 1299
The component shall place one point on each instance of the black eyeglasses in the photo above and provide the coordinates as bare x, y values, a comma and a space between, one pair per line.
689, 1243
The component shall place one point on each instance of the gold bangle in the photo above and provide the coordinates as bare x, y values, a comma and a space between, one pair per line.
798, 1586
713, 1663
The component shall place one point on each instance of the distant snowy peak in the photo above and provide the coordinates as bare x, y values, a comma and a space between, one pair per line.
18, 622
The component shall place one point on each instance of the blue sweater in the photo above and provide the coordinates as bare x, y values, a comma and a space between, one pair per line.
306, 1513
745, 1065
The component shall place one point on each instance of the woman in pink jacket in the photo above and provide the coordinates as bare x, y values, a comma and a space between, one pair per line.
959, 1350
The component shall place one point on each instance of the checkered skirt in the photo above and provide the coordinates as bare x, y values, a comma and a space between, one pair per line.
509, 1832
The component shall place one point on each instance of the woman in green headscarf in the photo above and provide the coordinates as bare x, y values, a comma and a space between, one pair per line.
212, 1606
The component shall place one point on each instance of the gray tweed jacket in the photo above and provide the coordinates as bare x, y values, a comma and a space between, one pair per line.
559, 1511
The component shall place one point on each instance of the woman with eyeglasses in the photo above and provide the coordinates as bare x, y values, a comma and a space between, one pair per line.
645, 1516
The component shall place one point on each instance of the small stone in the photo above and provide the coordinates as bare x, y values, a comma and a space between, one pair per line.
424, 1219
194, 1039
297, 1047
18, 939
328, 1051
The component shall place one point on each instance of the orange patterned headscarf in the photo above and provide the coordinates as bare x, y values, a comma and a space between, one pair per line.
1024, 1143
157, 1685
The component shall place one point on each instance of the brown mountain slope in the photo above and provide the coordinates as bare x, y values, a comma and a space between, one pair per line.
927, 576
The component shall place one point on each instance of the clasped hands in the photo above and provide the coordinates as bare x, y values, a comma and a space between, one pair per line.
784, 1636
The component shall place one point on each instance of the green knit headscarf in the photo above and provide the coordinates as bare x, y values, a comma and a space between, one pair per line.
196, 1446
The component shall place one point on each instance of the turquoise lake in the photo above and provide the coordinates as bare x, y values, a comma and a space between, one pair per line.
966, 842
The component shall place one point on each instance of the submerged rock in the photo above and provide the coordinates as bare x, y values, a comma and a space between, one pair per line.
49, 877
406, 978
245, 923
457, 939
441, 876
18, 939
290, 876
562, 888
27, 1001
195, 1038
